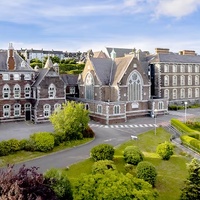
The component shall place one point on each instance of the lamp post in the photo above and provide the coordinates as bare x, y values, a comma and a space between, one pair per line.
185, 110
155, 119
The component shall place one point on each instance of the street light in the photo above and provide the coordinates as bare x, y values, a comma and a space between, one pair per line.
185, 109
155, 119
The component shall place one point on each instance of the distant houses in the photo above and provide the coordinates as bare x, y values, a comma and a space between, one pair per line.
116, 84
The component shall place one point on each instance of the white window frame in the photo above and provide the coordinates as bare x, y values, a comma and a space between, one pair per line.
182, 68
57, 106
6, 77
6, 91
175, 68
17, 110
72, 90
182, 93
189, 80
174, 80
27, 91
89, 86
189, 92
197, 68
174, 94
197, 92
52, 91
116, 109
189, 68
166, 68
27, 76
16, 77
6, 111
47, 110
182, 80
166, 80
160, 105
99, 108
166, 93
17, 91
27, 106
196, 80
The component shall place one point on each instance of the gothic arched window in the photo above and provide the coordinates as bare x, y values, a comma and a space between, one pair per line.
89, 86
134, 87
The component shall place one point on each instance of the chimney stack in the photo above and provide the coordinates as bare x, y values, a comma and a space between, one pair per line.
187, 52
162, 50
10, 59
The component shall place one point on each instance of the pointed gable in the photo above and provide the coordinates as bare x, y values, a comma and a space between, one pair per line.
48, 63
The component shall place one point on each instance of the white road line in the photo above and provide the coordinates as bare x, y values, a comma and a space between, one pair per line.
135, 125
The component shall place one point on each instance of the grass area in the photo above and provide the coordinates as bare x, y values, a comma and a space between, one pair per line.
21, 156
171, 174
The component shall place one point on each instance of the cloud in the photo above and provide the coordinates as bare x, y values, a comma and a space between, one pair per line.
176, 8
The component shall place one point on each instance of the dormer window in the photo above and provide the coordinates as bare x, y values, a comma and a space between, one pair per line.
27, 76
6, 77
16, 77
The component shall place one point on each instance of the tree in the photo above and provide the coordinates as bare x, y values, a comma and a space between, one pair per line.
59, 183
102, 152
70, 121
146, 171
191, 189
133, 155
112, 185
165, 150
27, 183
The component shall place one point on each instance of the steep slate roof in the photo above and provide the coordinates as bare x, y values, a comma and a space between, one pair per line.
121, 65
40, 77
70, 79
120, 52
176, 58
18, 60
102, 68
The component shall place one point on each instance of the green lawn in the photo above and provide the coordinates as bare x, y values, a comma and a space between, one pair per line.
171, 174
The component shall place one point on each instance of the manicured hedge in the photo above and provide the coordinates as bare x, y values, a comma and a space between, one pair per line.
191, 142
181, 126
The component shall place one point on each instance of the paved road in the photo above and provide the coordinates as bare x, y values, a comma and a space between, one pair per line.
104, 134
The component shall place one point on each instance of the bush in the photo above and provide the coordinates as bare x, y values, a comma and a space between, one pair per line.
88, 133
129, 168
4, 148
59, 183
103, 165
165, 150
146, 171
102, 152
181, 126
133, 155
14, 145
42, 141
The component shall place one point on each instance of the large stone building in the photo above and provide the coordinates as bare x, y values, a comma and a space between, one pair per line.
117, 88
175, 76
28, 94
116, 84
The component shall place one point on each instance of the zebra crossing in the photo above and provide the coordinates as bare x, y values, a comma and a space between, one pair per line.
119, 126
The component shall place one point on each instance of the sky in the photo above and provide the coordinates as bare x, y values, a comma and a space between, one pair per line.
81, 25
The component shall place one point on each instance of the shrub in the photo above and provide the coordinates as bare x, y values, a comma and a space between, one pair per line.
88, 133
133, 155
4, 148
165, 150
146, 171
181, 126
22, 144
129, 167
14, 145
102, 152
43, 141
103, 165
59, 183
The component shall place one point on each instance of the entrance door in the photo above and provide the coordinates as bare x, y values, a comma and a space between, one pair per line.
28, 115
